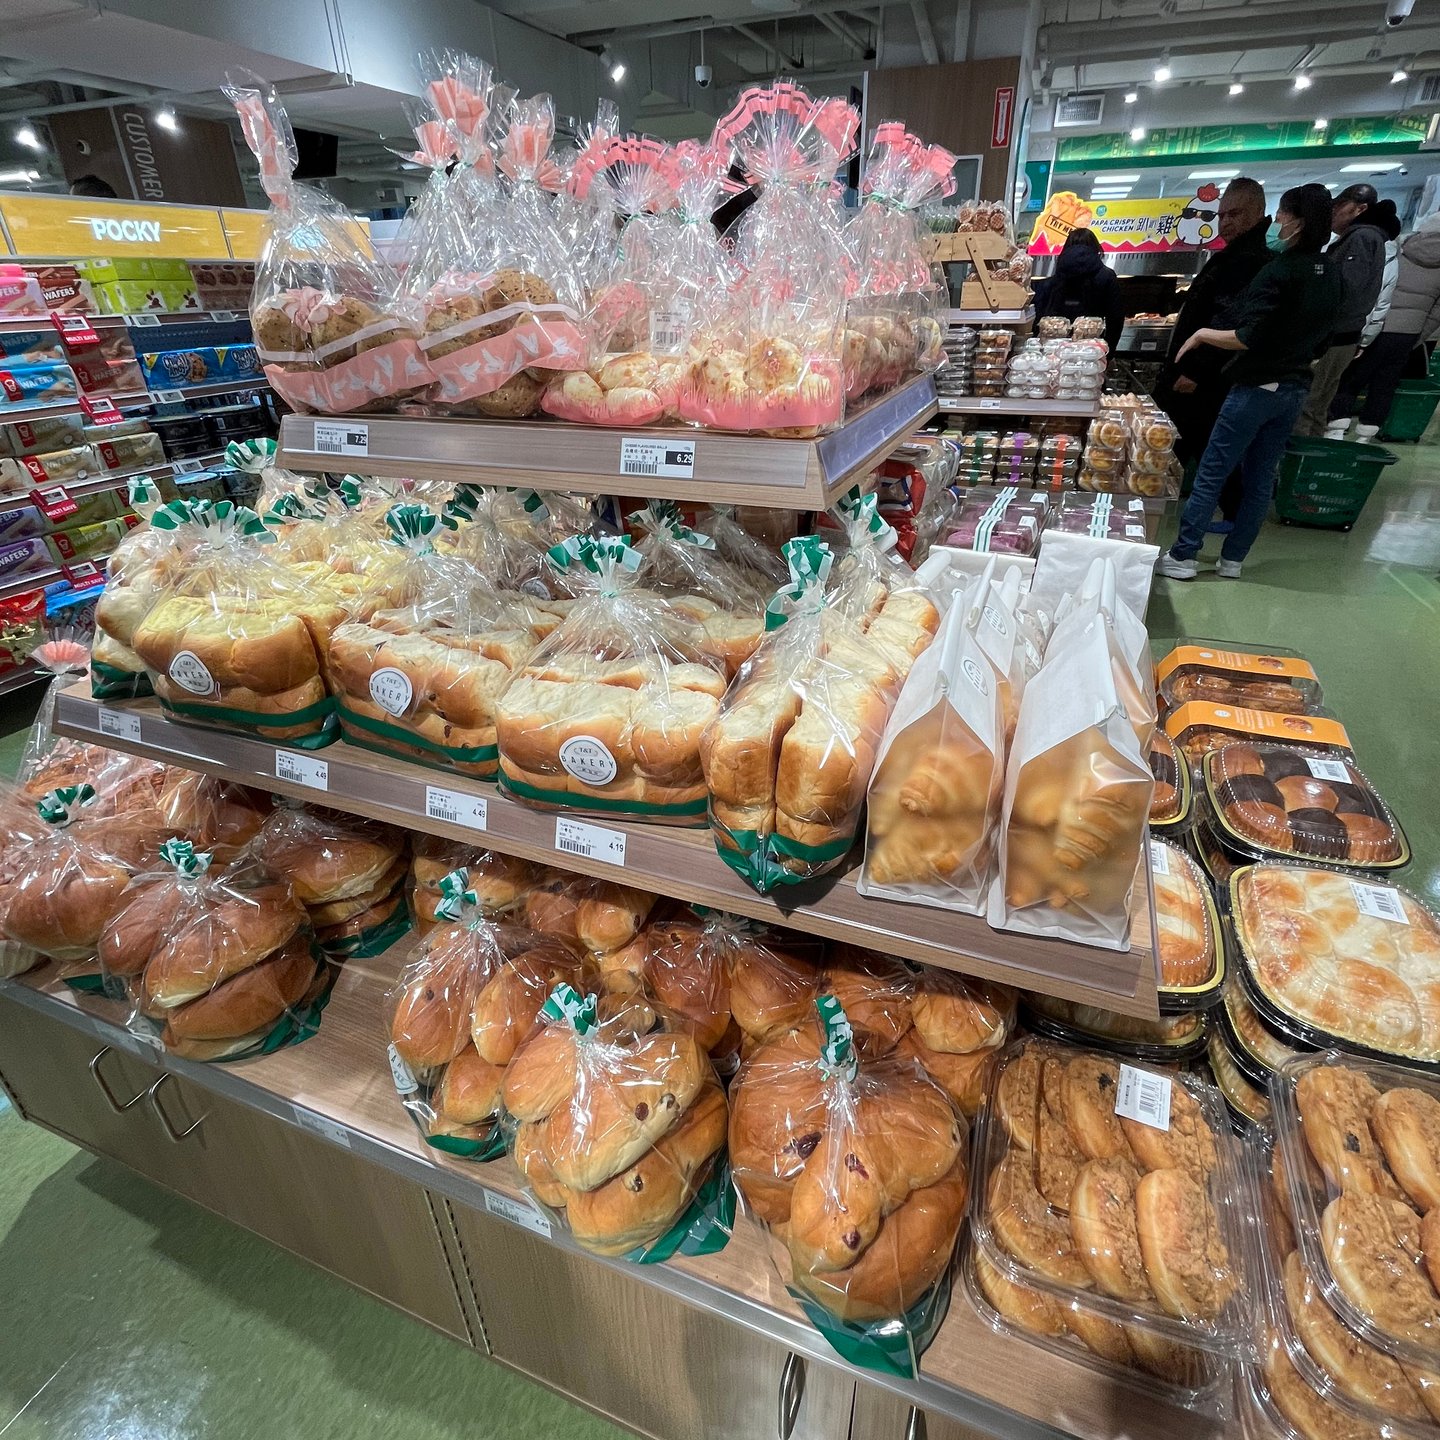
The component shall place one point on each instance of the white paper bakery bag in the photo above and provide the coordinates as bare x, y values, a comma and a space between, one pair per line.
1065, 560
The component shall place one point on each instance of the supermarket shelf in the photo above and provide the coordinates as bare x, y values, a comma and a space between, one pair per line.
114, 479
149, 319
134, 399
337, 1085
20, 677
23, 584
679, 863
1002, 405
991, 317
725, 468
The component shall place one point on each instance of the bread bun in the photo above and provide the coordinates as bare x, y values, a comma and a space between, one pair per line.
431, 1024
326, 856
469, 1092
876, 994
249, 1001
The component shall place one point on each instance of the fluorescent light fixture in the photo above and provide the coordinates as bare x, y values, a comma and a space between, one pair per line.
1237, 88
1109, 194
1131, 96
1128, 178
1399, 76
613, 63
166, 120
1303, 82
1162, 74
617, 71
1212, 174
1321, 123
10, 177
1371, 167
27, 137
1137, 134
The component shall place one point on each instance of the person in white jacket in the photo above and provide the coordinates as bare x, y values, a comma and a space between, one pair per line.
1412, 316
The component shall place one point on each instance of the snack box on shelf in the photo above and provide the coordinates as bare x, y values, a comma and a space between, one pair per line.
20, 292
131, 451
97, 375
126, 286
1280, 681
205, 365
55, 467
223, 284
29, 520
86, 542
24, 558
63, 289
25, 386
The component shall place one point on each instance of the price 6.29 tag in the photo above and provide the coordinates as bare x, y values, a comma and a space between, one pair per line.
592, 842
674, 459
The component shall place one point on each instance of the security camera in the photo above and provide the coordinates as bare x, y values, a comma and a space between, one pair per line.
1397, 12
704, 74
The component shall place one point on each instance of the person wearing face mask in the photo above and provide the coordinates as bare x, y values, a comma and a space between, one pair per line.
1279, 325
1360, 222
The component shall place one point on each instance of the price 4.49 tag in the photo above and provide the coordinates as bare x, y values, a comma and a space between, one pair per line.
518, 1212
1143, 1096
1381, 902
302, 769
119, 724
592, 842
456, 807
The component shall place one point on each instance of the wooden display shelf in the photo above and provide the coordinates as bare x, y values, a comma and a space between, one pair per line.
983, 294
337, 1085
1004, 405
971, 248
678, 863
550, 454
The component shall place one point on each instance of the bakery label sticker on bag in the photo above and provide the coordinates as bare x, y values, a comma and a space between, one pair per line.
588, 760
302, 769
1144, 1097
593, 842
518, 1212
674, 459
1323, 769
401, 1073
188, 671
456, 807
118, 724
1380, 902
391, 690
334, 438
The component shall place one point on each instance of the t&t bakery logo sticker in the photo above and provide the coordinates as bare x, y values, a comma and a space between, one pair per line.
391, 690
188, 671
588, 760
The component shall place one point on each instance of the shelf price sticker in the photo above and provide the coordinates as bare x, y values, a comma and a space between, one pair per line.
1144, 1097
455, 807
188, 467
300, 769
118, 724
591, 842
55, 502
76, 331
142, 321
86, 573
1381, 902
330, 1130
168, 397
518, 1212
101, 410
341, 438
222, 317
990, 402
674, 459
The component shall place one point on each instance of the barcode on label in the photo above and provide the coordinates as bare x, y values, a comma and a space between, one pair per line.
518, 1212
330, 1129
594, 842
1323, 769
168, 397
119, 724
341, 439
990, 403
1380, 902
302, 770
642, 467
1159, 858
456, 807
1143, 1096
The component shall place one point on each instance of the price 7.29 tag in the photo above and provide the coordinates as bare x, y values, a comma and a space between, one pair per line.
592, 842
119, 724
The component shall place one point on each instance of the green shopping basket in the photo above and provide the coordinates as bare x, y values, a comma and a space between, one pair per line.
1413, 408
1325, 483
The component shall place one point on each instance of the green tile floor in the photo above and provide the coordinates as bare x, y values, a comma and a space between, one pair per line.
134, 1314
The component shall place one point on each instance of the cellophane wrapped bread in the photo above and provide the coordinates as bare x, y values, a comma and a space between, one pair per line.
739, 546
958, 1027
1077, 794
500, 882
221, 962
584, 210
934, 801
331, 327
499, 325
507, 534
598, 917
607, 712
238, 640
893, 327
465, 999
618, 1119
858, 1166
769, 359
349, 873
790, 755
217, 816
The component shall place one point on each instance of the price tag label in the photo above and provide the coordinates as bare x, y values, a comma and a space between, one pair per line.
1159, 858
989, 402
318, 1125
1143, 1096
168, 397
518, 1212
87, 572
674, 459
341, 437
593, 842
456, 807
188, 467
1323, 769
143, 322
1134, 532
1380, 901
119, 724
401, 1073
302, 769
55, 503
223, 317
101, 410
76, 331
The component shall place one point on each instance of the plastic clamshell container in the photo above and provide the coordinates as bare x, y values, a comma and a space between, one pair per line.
1190, 1378
1356, 1195
1172, 806
1332, 958
1254, 1047
1192, 940
1173, 1039
1199, 726
1248, 1103
1215, 860
1271, 799
1275, 680
1070, 1226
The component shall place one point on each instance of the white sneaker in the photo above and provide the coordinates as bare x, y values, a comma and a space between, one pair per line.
1366, 432
1228, 569
1336, 429
1173, 569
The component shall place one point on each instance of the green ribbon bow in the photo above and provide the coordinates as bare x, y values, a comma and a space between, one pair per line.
837, 1047
455, 895
860, 515
608, 556
464, 503
723, 922
566, 1003
252, 456
59, 807
142, 494
288, 506
413, 525
218, 516
663, 517
531, 503
348, 492
809, 559
182, 855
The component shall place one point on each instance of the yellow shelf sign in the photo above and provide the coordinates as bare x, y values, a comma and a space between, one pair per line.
53, 225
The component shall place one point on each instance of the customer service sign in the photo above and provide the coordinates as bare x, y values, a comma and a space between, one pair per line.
1131, 227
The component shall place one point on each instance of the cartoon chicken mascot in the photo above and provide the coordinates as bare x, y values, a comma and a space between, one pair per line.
1197, 220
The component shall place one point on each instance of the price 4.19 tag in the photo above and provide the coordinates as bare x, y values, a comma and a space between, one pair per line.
518, 1212
1379, 901
341, 437
119, 724
674, 459
1143, 1096
317, 1124
302, 769
593, 842
456, 807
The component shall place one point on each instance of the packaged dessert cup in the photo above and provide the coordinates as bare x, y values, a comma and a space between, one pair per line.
1276, 680
1170, 1040
1171, 808
1198, 727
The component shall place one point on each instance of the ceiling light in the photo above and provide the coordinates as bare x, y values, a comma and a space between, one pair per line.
1212, 174
1137, 134
1131, 96
166, 120
1109, 194
1236, 88
1320, 122
1162, 74
1129, 178
617, 71
614, 64
1399, 76
1302, 82
1371, 167
27, 137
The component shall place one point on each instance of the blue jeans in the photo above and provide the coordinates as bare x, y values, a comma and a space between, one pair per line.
1250, 436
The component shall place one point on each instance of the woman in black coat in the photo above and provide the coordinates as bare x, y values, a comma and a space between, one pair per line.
1083, 284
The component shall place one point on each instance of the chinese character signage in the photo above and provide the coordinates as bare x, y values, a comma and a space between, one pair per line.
1132, 227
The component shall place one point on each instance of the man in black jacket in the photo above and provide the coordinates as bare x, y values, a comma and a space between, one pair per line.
1191, 390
